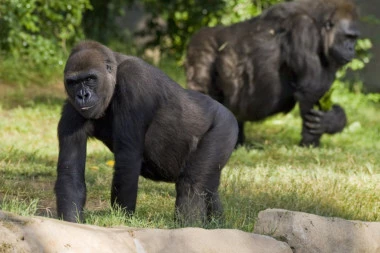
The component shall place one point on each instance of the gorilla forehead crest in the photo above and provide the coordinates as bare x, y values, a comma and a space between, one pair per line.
340, 9
91, 55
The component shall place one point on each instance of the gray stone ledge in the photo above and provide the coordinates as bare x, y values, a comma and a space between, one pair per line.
308, 233
39, 234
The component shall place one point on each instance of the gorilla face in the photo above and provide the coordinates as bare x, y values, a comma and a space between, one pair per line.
89, 83
344, 40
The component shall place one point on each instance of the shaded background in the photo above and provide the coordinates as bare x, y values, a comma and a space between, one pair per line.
370, 27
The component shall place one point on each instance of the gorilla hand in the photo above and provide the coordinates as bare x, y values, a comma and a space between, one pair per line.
319, 122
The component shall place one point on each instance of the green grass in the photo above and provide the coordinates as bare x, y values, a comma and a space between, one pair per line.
341, 178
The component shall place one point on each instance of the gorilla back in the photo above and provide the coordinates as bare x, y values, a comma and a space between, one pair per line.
154, 127
288, 54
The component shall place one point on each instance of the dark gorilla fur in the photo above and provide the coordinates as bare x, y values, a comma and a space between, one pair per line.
265, 65
154, 127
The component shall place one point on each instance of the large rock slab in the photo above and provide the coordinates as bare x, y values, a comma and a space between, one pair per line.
308, 233
38, 234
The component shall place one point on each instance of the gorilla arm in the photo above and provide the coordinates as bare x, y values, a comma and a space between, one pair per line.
132, 113
128, 150
302, 51
70, 186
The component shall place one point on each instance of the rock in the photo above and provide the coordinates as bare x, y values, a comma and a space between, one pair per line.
308, 233
202, 240
38, 234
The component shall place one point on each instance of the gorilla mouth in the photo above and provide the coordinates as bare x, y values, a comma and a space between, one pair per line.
86, 108
345, 60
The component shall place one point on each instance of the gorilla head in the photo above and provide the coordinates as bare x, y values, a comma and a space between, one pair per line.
340, 33
90, 77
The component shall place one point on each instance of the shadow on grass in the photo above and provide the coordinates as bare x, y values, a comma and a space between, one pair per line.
241, 210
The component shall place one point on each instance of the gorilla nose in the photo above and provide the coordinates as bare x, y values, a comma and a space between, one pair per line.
83, 96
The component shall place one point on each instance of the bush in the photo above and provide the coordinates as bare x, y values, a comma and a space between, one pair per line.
35, 33
184, 17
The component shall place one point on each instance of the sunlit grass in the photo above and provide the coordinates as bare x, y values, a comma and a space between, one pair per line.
19, 206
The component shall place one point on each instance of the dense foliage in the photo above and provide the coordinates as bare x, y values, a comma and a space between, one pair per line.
183, 17
38, 29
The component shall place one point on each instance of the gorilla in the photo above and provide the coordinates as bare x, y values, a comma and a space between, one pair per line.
154, 128
288, 54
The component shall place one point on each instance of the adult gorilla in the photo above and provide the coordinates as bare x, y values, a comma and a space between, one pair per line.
154, 127
263, 66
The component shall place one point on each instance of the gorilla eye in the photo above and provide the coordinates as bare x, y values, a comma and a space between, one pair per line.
90, 78
70, 82
352, 36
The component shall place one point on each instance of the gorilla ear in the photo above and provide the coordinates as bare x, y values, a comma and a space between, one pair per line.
328, 36
111, 75
109, 68
328, 25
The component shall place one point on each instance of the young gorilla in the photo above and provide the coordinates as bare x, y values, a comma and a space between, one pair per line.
265, 65
154, 127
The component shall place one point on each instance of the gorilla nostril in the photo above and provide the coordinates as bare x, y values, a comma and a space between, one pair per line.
83, 95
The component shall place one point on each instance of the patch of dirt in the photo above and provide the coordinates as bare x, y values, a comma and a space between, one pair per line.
13, 95
32, 90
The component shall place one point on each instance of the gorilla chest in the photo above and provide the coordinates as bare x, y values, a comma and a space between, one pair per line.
103, 132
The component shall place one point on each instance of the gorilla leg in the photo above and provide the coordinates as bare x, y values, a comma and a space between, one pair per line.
213, 203
190, 202
197, 187
241, 136
198, 201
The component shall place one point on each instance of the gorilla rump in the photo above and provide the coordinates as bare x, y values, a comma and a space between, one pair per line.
154, 127
265, 65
